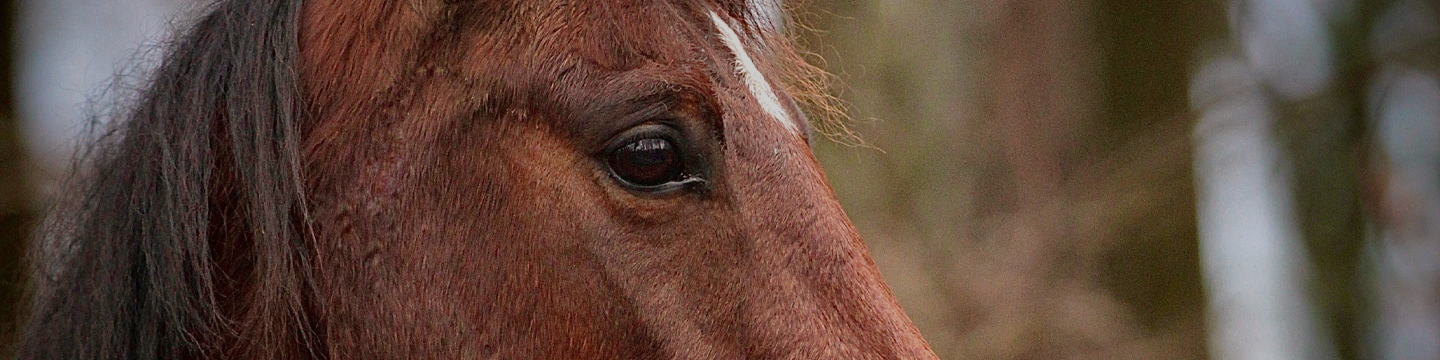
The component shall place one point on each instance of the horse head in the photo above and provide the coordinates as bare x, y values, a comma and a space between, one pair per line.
444, 179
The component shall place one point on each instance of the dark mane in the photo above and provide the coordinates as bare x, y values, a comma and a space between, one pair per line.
128, 267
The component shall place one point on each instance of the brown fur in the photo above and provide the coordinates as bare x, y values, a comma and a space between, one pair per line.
456, 204
489, 117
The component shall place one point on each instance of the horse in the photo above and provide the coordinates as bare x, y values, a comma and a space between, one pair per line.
372, 179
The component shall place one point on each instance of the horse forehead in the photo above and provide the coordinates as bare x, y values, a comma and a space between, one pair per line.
659, 36
749, 73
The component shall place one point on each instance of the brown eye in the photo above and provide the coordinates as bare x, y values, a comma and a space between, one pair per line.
647, 162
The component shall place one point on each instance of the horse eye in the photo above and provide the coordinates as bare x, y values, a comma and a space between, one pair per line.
647, 162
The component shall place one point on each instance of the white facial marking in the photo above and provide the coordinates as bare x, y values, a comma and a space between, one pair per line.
759, 88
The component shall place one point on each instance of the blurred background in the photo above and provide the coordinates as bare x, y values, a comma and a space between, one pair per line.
1038, 179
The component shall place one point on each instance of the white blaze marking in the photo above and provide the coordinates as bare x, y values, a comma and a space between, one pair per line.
753, 79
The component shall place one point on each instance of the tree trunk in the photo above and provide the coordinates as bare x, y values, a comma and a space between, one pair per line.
15, 204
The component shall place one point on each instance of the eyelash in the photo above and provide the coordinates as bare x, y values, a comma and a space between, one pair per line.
682, 178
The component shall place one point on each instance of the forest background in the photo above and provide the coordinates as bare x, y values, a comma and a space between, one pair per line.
1037, 179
